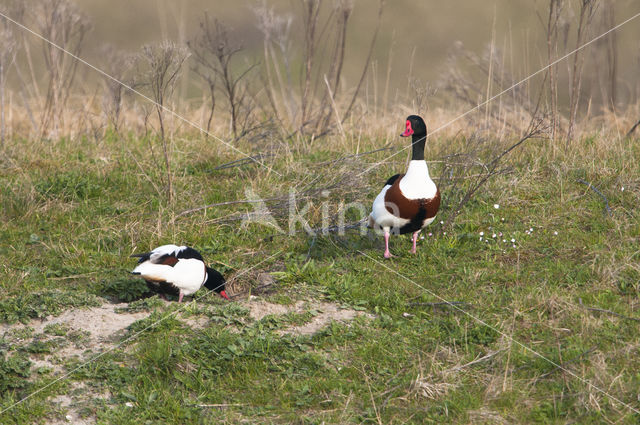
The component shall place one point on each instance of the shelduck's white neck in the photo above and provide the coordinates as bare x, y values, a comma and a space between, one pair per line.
416, 183
417, 169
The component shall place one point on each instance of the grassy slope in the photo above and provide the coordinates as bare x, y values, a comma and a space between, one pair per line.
71, 217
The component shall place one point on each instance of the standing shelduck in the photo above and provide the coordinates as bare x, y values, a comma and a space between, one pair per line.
178, 270
408, 202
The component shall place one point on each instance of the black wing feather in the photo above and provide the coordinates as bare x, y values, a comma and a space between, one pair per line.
392, 180
142, 257
189, 252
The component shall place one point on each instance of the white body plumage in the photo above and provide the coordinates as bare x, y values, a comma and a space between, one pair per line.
187, 274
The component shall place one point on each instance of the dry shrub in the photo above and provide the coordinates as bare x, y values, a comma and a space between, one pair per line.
8, 50
118, 65
62, 23
214, 51
158, 69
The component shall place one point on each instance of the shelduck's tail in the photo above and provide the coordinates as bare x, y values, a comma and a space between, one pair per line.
150, 271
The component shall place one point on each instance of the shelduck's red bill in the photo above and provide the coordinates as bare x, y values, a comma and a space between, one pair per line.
224, 295
408, 131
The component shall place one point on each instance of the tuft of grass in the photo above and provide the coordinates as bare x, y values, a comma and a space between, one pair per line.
38, 305
124, 289
14, 372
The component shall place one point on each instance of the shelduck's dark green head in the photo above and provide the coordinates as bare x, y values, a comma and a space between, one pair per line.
215, 282
416, 128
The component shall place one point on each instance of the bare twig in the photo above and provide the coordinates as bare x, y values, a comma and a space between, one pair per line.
221, 405
612, 313
630, 132
219, 204
367, 63
355, 155
484, 358
563, 365
441, 304
592, 187
243, 161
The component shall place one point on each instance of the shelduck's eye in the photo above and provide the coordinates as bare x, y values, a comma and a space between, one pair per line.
408, 131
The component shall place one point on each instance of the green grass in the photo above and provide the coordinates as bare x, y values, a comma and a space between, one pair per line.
70, 220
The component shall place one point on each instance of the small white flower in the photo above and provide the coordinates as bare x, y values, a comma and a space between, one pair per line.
441, 222
430, 234
502, 219
444, 233
128, 404
555, 233
480, 238
514, 245
504, 241
622, 189
407, 314
513, 240
500, 234
494, 236
422, 237
496, 206
531, 229
69, 418
481, 233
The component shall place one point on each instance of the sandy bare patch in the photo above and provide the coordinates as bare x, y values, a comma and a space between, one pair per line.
101, 325
259, 309
325, 313
195, 322
101, 322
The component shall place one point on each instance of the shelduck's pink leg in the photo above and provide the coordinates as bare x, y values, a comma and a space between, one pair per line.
415, 239
180, 296
387, 254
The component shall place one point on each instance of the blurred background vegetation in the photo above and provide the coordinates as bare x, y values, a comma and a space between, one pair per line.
378, 58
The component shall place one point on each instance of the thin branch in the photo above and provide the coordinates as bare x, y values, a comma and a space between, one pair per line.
630, 132
563, 365
592, 187
243, 161
441, 304
218, 204
222, 405
612, 313
476, 361
366, 64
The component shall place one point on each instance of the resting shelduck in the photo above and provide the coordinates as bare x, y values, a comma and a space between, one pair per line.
178, 270
408, 202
